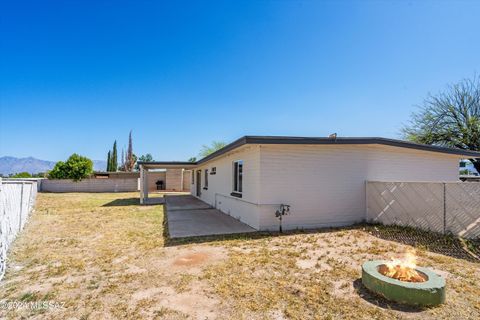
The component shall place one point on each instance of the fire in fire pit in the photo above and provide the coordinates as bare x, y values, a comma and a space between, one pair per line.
402, 281
403, 269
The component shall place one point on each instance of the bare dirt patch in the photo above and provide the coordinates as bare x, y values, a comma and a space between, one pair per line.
191, 259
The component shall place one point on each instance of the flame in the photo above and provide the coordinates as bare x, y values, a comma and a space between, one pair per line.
403, 269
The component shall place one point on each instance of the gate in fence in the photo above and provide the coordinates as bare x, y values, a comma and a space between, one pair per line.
445, 207
17, 199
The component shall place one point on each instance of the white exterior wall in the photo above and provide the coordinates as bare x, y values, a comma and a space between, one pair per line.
325, 184
220, 185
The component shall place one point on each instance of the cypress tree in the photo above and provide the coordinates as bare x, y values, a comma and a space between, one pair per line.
129, 163
109, 161
114, 157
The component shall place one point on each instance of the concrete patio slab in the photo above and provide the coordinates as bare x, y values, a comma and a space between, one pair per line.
152, 201
185, 202
189, 217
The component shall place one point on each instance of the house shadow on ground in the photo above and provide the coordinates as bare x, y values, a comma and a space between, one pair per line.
123, 202
134, 202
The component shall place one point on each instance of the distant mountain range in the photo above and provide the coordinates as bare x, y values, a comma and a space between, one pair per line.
32, 165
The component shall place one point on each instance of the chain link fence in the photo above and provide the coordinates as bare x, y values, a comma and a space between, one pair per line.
17, 199
444, 207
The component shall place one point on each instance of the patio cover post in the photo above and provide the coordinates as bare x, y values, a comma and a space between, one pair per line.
143, 185
181, 188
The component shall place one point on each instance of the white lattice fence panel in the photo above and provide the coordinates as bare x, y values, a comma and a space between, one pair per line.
413, 204
16, 202
463, 209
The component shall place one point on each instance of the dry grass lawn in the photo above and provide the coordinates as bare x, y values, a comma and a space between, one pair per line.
104, 257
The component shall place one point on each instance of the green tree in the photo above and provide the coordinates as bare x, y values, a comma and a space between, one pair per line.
135, 158
114, 156
192, 159
450, 118
144, 158
76, 168
21, 175
109, 161
209, 149
39, 175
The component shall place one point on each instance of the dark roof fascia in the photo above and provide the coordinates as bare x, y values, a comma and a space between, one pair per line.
165, 162
359, 140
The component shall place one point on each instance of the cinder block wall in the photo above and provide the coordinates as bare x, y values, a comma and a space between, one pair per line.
153, 177
123, 175
174, 179
187, 177
90, 185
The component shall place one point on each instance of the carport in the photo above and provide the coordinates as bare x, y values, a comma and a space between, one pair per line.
145, 167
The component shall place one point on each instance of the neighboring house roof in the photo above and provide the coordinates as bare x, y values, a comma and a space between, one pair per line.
325, 141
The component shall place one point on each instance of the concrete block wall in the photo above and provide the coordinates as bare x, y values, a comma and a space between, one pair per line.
174, 179
153, 177
90, 185
121, 175
187, 178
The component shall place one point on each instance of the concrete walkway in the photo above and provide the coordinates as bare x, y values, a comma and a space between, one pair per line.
189, 217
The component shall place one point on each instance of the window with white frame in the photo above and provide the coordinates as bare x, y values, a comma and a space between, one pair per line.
238, 176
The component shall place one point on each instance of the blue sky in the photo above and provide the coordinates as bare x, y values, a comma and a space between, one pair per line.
76, 75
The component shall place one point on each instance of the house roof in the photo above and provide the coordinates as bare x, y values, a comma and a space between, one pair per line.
167, 164
339, 140
325, 141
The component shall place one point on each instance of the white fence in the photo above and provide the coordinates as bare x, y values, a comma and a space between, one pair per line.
449, 207
37, 180
17, 199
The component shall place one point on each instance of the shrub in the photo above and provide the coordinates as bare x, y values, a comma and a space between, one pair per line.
21, 175
76, 168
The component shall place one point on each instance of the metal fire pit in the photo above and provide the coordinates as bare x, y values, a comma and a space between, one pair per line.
428, 293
